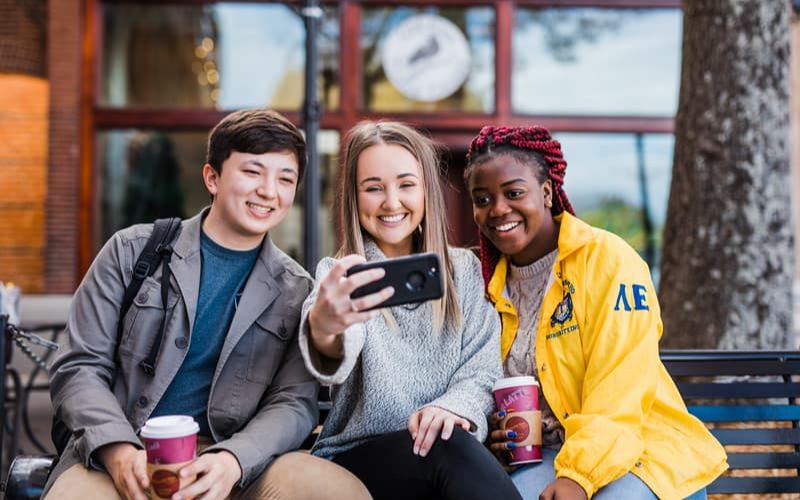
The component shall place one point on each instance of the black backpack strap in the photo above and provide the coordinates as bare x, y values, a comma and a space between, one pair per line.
158, 245
149, 363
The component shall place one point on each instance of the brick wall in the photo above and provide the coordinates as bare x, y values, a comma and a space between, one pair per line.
23, 163
62, 209
23, 27
23, 128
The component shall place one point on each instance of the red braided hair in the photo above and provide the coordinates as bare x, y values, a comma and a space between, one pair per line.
509, 140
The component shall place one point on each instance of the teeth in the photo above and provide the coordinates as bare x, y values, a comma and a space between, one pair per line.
260, 208
506, 227
392, 218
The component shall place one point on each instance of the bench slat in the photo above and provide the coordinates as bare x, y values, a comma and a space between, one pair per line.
745, 413
736, 355
755, 485
739, 390
757, 436
764, 460
717, 367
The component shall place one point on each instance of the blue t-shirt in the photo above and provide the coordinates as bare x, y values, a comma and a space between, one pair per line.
223, 275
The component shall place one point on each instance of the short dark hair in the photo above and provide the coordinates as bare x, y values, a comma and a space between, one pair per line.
255, 131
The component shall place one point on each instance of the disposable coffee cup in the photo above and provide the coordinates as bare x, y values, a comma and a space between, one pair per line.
519, 398
171, 443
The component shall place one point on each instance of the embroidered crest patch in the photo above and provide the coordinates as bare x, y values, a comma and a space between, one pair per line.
563, 312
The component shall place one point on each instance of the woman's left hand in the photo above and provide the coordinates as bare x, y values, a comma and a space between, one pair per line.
501, 441
563, 489
425, 426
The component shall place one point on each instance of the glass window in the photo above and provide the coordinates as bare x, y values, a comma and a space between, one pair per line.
604, 183
589, 61
475, 94
147, 174
224, 56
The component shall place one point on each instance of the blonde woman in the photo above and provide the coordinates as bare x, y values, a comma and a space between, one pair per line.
410, 384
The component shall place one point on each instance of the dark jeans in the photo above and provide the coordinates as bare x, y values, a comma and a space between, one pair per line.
460, 468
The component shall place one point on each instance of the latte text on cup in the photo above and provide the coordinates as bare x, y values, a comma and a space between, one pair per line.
519, 398
171, 443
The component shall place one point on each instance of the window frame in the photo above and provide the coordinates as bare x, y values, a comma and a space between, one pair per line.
452, 128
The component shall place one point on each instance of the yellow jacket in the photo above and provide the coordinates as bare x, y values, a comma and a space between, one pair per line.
597, 357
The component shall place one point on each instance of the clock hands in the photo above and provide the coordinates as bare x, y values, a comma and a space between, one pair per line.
429, 49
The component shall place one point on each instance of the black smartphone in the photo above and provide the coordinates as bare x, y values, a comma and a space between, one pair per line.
415, 278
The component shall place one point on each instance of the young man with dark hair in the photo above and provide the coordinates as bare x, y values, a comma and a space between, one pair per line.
229, 353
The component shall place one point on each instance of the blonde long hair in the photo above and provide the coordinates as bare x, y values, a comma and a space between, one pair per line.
433, 229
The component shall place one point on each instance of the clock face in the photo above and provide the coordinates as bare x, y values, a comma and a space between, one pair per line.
426, 58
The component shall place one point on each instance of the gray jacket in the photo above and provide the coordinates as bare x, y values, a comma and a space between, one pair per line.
263, 401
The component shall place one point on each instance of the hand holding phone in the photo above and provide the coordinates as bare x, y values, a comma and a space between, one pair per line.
415, 278
334, 310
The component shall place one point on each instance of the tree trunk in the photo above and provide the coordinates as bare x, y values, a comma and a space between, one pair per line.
728, 261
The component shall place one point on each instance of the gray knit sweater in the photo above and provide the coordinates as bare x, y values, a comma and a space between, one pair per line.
387, 375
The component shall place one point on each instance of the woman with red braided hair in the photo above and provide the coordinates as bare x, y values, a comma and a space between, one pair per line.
579, 312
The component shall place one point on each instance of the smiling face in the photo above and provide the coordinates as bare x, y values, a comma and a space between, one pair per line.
252, 194
512, 208
391, 199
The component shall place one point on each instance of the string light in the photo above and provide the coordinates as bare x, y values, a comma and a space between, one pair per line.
205, 68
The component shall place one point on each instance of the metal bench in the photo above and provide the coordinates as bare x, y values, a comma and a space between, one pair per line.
750, 399
27, 476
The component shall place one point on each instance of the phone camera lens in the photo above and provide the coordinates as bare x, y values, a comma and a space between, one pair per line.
415, 281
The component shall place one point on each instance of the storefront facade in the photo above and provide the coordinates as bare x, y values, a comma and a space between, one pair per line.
135, 90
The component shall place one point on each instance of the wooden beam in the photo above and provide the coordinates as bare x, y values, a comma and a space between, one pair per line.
90, 76
350, 64
503, 55
183, 119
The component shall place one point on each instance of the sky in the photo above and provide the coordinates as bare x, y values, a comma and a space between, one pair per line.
249, 33
632, 70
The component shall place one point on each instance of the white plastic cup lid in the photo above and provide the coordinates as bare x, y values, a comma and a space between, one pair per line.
505, 383
169, 426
